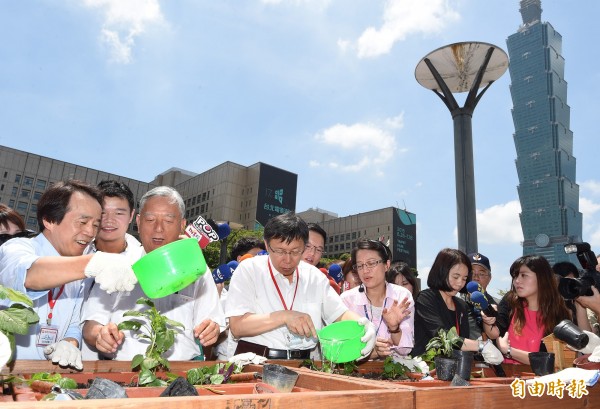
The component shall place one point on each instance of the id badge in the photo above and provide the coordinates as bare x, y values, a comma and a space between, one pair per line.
47, 335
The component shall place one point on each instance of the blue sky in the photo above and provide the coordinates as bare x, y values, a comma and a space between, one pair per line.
323, 88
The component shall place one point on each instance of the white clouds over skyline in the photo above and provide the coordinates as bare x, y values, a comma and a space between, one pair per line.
402, 18
353, 148
123, 22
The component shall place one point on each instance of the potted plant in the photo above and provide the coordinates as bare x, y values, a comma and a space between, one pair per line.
439, 349
160, 332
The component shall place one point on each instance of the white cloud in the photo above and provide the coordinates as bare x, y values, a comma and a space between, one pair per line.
587, 207
123, 22
402, 18
318, 4
356, 147
500, 224
590, 186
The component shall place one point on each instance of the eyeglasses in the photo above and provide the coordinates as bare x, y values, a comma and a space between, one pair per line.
283, 253
369, 264
310, 249
475, 274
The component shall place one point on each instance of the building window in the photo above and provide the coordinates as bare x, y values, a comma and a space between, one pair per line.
33, 208
14, 191
1, 187
37, 195
202, 209
28, 181
31, 222
25, 193
40, 184
208, 194
203, 196
5, 175
22, 207
194, 201
11, 203
17, 178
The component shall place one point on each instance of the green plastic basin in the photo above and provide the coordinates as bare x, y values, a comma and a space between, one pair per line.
340, 341
170, 268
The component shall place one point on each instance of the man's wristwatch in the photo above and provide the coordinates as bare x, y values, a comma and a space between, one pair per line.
507, 354
480, 345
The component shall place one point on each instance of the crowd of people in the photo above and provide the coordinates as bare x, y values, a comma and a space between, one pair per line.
77, 271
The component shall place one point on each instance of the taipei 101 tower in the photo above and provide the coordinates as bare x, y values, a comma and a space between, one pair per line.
548, 193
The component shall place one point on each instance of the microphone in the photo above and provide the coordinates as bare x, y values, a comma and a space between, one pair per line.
361, 288
203, 231
223, 230
224, 272
482, 303
335, 272
262, 253
473, 286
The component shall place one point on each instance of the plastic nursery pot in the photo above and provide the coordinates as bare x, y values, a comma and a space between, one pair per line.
464, 363
542, 363
445, 367
340, 341
570, 333
170, 268
280, 377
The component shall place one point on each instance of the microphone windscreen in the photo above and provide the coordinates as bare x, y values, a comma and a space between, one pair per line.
232, 265
245, 256
202, 231
262, 253
479, 299
473, 286
335, 272
222, 274
223, 230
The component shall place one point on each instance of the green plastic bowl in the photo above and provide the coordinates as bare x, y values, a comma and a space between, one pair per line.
340, 341
170, 268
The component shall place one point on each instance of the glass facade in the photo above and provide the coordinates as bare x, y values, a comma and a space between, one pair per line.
543, 140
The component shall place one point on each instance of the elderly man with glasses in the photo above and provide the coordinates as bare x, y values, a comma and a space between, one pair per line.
277, 302
482, 274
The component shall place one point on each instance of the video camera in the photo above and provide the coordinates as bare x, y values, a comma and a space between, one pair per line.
571, 288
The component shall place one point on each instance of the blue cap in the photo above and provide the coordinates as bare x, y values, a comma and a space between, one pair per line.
478, 258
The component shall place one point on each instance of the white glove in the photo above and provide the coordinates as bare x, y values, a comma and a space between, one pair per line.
246, 358
594, 341
595, 357
491, 354
112, 272
370, 336
65, 354
5, 350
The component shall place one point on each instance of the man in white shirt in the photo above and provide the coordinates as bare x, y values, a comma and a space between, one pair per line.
277, 302
197, 306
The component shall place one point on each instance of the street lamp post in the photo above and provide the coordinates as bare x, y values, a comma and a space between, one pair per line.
457, 68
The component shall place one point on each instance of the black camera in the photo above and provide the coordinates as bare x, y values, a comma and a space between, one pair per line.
571, 288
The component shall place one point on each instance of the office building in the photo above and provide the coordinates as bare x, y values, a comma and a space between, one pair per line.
549, 196
243, 196
393, 226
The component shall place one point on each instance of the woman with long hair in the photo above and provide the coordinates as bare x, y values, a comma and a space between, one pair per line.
529, 311
438, 307
388, 306
401, 274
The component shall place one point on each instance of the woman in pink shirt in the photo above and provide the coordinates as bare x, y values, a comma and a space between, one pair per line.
389, 307
528, 312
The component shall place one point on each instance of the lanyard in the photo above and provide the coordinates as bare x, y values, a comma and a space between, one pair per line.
371, 319
279, 291
52, 302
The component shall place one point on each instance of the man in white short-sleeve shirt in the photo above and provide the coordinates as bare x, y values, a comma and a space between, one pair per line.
197, 306
276, 303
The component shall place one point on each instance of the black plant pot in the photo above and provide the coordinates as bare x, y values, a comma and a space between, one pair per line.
445, 368
465, 361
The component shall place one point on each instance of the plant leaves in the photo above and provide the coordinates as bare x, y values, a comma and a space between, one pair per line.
67, 383
137, 361
174, 323
217, 379
145, 301
133, 313
15, 296
146, 377
130, 324
16, 319
149, 363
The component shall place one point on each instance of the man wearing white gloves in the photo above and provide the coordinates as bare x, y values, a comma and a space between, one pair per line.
50, 267
160, 222
277, 302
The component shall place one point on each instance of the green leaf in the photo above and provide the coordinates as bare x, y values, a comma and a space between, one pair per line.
145, 301
193, 376
132, 325
164, 363
14, 295
174, 323
149, 363
217, 379
146, 377
133, 313
14, 320
137, 361
67, 383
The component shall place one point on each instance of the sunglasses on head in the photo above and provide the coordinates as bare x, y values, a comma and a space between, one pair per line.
4, 237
